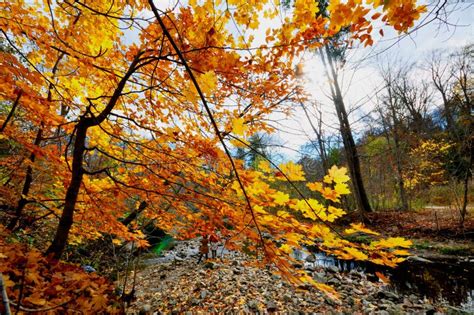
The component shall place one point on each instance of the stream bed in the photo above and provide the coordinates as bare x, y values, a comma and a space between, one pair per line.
448, 279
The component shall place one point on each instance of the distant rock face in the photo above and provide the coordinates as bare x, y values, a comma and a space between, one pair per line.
232, 285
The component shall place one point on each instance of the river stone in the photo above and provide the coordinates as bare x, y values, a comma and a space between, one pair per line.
388, 294
333, 269
287, 298
181, 255
357, 291
311, 258
419, 259
146, 309
253, 304
334, 281
271, 306
320, 277
209, 265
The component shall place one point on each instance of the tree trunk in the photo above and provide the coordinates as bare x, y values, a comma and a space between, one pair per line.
65, 222
133, 215
318, 133
350, 148
67, 217
398, 155
26, 185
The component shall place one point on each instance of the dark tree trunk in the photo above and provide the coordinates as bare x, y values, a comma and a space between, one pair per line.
59, 243
26, 185
398, 153
65, 222
350, 148
133, 215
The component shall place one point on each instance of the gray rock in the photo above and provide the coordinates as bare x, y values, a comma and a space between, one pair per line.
181, 255
320, 277
333, 269
332, 302
333, 281
146, 309
271, 306
253, 304
311, 258
357, 291
209, 265
413, 298
419, 259
276, 277
237, 271
389, 295
204, 293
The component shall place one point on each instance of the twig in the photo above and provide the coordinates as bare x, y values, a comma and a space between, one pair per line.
34, 310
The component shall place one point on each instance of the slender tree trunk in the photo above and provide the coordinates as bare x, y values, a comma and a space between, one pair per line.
318, 133
29, 171
26, 185
349, 145
59, 243
398, 155
465, 201
133, 215
65, 222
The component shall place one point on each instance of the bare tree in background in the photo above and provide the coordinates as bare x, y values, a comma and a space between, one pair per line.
329, 58
391, 118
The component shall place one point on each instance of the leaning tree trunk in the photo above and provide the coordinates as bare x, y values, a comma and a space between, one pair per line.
59, 243
65, 222
350, 148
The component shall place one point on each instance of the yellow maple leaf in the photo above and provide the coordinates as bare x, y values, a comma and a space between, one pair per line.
355, 253
337, 174
342, 189
238, 126
392, 242
286, 248
264, 166
280, 198
359, 227
208, 82
316, 186
293, 171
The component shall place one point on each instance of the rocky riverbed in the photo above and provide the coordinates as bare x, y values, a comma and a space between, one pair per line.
175, 283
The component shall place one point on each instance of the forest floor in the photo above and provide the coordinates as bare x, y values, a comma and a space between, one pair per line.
176, 284
231, 285
434, 230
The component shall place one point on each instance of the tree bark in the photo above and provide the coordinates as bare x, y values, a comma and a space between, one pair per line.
26, 185
59, 243
133, 215
65, 222
318, 133
350, 148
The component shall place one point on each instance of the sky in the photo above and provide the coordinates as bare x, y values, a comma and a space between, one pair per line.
360, 77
